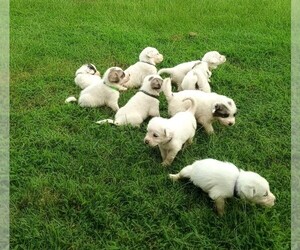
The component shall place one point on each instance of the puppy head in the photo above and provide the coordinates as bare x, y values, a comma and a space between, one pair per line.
225, 112
255, 188
157, 132
152, 83
214, 59
115, 75
151, 55
88, 69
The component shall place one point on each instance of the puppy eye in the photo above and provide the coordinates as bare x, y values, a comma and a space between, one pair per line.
155, 135
234, 114
266, 194
225, 115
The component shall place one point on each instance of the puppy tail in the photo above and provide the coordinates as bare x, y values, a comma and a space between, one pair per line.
165, 70
167, 89
70, 99
193, 106
110, 121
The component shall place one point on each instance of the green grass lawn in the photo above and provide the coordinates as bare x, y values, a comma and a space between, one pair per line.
78, 185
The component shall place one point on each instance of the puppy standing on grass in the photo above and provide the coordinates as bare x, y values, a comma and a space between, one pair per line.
222, 180
211, 107
143, 104
87, 75
177, 73
171, 134
146, 65
105, 92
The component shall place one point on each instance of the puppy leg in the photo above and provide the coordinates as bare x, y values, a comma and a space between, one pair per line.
208, 128
187, 143
163, 153
220, 205
171, 154
113, 105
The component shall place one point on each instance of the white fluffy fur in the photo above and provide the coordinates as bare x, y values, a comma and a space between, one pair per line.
210, 106
221, 179
105, 92
141, 105
87, 75
197, 78
148, 58
177, 73
171, 134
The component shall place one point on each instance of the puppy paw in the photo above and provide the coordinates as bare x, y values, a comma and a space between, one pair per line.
174, 177
166, 163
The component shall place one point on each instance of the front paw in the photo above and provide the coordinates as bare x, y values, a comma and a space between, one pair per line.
166, 163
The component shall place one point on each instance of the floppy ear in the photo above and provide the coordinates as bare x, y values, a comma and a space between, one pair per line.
156, 83
113, 77
167, 133
220, 110
248, 191
150, 54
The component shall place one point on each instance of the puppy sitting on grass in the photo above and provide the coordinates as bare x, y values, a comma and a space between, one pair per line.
143, 104
87, 75
171, 134
223, 180
105, 92
146, 65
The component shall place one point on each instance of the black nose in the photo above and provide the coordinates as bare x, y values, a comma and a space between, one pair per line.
147, 141
230, 124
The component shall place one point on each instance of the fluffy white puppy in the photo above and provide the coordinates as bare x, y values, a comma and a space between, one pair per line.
223, 180
143, 104
146, 65
105, 92
197, 78
177, 73
211, 107
171, 134
87, 75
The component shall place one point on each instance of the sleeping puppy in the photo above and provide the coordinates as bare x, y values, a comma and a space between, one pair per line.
105, 92
146, 65
223, 180
177, 73
211, 107
197, 78
171, 134
87, 75
143, 104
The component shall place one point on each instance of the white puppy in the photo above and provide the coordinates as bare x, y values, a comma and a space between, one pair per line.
197, 78
143, 104
148, 58
105, 92
87, 75
210, 106
177, 73
171, 134
223, 180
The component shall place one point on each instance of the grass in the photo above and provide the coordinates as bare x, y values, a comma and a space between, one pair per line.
78, 185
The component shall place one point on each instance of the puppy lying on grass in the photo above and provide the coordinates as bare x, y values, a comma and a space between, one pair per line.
87, 75
223, 180
171, 134
177, 73
143, 104
146, 65
211, 107
105, 92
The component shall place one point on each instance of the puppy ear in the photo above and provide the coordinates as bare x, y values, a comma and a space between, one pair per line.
156, 83
167, 133
248, 191
220, 110
113, 77
150, 54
